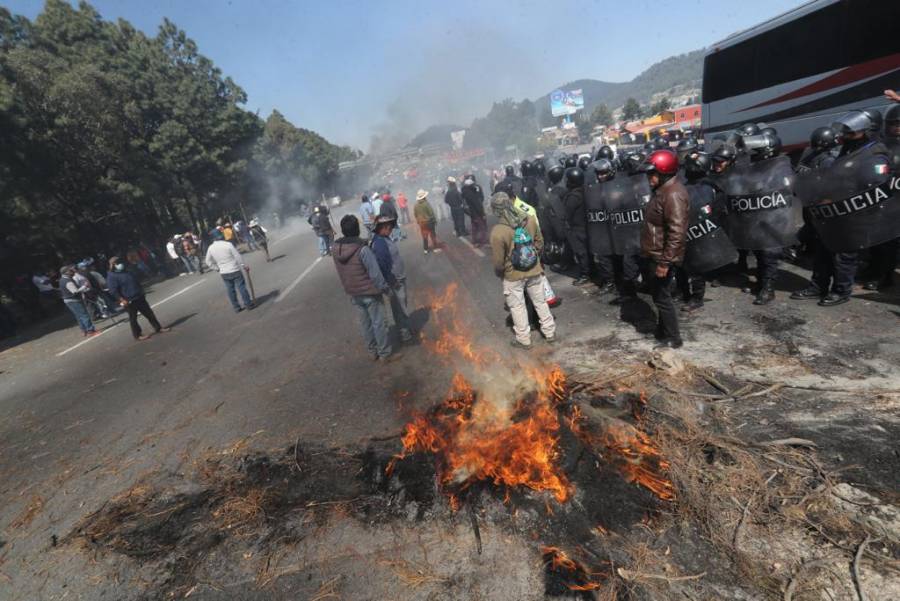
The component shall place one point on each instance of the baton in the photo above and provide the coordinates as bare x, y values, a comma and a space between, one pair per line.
250, 282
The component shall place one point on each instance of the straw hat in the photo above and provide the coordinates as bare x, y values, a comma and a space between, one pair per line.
451, 180
421, 194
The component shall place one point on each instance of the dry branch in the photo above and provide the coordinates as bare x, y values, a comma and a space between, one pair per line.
856, 575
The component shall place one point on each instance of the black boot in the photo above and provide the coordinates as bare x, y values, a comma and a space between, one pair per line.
581, 280
765, 295
606, 288
627, 293
692, 305
808, 293
833, 298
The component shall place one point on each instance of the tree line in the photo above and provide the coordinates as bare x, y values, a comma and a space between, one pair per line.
110, 137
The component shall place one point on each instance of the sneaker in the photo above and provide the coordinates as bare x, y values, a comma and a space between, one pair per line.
552, 339
406, 336
672, 343
517, 344
239, 309
554, 302
91, 334
251, 306
142, 337
833, 298
437, 250
163, 330
426, 252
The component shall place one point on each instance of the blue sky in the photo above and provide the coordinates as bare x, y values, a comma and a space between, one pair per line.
349, 68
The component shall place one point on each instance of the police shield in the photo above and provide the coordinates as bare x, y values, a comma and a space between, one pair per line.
854, 203
627, 195
596, 205
760, 209
556, 213
708, 246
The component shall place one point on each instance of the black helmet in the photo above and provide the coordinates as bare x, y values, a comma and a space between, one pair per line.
574, 178
877, 119
571, 161
525, 168
853, 122
555, 174
892, 116
583, 162
763, 146
749, 129
553, 253
604, 169
726, 153
771, 131
823, 138
697, 163
509, 170
660, 144
649, 147
539, 168
687, 144
633, 161
507, 188
605, 152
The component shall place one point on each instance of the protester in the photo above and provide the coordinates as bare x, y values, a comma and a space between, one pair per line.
367, 212
473, 198
71, 296
663, 239
516, 246
392, 268
364, 283
260, 235
228, 233
124, 287
424, 215
191, 253
454, 200
224, 257
403, 205
174, 250
320, 220
441, 211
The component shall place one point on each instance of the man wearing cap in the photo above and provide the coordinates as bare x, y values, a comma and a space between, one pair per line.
424, 215
364, 283
125, 288
392, 268
455, 201
225, 258
260, 234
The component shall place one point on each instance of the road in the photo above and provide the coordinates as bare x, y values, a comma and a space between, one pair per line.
82, 421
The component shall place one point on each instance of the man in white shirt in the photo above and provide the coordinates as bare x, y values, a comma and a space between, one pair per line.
225, 258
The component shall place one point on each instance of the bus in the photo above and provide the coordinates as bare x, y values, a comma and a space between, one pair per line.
804, 68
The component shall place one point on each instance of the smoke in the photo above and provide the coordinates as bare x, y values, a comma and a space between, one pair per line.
456, 77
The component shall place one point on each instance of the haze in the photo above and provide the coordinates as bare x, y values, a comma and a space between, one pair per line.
351, 69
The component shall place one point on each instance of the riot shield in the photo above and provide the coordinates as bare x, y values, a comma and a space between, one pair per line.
627, 195
761, 211
596, 205
854, 203
556, 212
708, 246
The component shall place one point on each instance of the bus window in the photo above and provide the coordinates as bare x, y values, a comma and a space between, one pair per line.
730, 72
870, 30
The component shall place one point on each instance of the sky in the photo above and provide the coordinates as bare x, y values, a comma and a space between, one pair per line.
349, 69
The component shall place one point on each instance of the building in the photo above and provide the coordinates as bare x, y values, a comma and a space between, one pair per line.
688, 117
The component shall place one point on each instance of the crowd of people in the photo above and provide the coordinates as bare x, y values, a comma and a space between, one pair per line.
95, 289
664, 219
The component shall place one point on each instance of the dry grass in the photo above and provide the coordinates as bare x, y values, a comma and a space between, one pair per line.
29, 512
412, 574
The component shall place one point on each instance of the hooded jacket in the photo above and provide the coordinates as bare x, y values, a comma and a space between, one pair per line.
453, 197
358, 268
474, 198
423, 212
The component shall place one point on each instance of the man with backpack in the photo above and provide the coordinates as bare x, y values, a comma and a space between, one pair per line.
320, 220
516, 245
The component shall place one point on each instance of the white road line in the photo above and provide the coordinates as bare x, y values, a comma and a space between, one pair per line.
113, 327
477, 251
293, 285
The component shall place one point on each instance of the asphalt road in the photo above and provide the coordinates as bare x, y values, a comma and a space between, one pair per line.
81, 420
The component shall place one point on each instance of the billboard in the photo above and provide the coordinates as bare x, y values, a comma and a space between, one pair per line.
566, 102
457, 138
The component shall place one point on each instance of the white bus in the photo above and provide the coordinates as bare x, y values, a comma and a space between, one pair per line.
802, 69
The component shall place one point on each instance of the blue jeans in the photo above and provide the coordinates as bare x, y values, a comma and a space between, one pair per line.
232, 280
81, 315
399, 308
324, 244
374, 324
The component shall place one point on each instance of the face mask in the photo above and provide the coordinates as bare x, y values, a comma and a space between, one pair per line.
120, 266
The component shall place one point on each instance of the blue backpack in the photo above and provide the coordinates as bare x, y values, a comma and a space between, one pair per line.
524, 256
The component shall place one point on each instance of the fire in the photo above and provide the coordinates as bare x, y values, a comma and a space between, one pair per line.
475, 440
641, 461
577, 577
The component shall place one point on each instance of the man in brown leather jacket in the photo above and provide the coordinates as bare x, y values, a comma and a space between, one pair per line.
663, 239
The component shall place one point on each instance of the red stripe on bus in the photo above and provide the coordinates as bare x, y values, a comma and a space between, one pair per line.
841, 78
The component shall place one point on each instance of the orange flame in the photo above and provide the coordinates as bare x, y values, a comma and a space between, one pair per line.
581, 578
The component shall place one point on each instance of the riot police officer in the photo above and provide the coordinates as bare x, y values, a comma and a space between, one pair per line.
576, 222
555, 221
598, 229
512, 179
821, 152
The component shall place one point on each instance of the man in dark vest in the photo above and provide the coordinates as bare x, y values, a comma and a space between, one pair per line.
364, 283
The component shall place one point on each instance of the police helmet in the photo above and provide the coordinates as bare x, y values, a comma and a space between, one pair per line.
877, 119
892, 116
525, 168
697, 163
726, 153
604, 169
555, 174
571, 161
823, 138
749, 129
583, 162
853, 122
509, 170
605, 152
574, 178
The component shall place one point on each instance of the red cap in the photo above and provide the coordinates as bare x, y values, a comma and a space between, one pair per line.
664, 162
